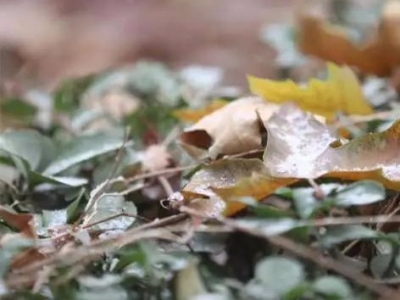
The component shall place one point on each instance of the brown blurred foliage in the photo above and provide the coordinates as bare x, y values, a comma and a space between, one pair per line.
49, 40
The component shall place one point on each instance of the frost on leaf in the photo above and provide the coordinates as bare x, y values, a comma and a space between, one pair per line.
304, 151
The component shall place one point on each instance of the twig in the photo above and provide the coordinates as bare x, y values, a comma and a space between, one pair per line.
165, 185
24, 275
123, 214
354, 119
158, 173
134, 232
354, 220
108, 182
257, 151
318, 193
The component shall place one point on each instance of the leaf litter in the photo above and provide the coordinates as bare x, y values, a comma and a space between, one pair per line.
265, 195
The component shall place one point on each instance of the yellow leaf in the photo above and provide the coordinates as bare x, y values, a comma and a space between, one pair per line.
216, 186
192, 115
257, 186
340, 92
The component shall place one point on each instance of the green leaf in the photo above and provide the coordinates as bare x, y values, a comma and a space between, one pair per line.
37, 178
333, 286
265, 211
18, 108
110, 205
67, 96
49, 219
304, 199
280, 274
379, 264
29, 145
98, 288
85, 147
73, 208
339, 234
360, 193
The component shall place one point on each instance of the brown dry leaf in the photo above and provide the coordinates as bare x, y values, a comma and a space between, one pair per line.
232, 129
339, 92
226, 180
304, 151
329, 42
192, 115
21, 222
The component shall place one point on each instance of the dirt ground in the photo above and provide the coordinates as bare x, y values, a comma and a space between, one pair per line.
50, 40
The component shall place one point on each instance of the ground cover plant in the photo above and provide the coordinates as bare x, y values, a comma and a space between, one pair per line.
148, 182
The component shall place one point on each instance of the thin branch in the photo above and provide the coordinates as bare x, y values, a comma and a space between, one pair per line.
158, 173
108, 182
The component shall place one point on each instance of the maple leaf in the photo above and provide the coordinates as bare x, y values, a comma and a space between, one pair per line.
340, 92
305, 151
330, 42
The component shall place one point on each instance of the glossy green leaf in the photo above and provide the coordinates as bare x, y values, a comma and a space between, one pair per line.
280, 274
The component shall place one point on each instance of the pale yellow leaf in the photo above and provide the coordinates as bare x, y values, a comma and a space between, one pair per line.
232, 129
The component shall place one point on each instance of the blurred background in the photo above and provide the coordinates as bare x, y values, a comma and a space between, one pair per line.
45, 41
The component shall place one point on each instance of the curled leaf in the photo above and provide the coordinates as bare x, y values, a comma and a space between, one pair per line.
340, 92
232, 129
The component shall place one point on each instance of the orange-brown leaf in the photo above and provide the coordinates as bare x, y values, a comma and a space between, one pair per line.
228, 180
329, 42
192, 115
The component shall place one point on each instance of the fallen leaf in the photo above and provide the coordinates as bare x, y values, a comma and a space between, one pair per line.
21, 222
304, 151
227, 180
329, 42
340, 92
257, 186
192, 115
24, 239
293, 150
232, 129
